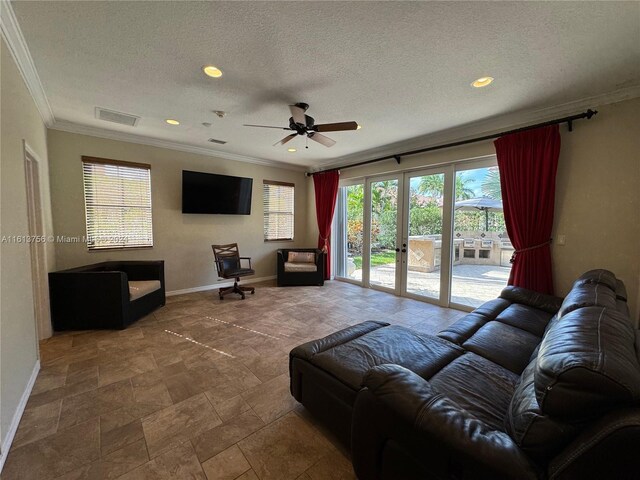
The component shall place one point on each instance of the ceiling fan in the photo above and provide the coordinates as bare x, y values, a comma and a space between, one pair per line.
303, 124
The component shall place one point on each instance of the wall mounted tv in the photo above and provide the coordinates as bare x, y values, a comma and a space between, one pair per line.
211, 193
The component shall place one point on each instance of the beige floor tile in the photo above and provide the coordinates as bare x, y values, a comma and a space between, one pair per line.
54, 455
121, 369
228, 409
114, 436
333, 466
217, 439
271, 399
113, 465
284, 449
179, 463
37, 422
227, 465
78, 408
248, 475
176, 424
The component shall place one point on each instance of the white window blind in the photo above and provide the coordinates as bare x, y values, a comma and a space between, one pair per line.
278, 210
117, 199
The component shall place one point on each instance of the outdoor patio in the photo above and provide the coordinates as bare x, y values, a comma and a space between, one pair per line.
471, 285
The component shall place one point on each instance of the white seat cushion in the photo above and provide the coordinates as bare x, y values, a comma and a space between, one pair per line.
300, 267
140, 288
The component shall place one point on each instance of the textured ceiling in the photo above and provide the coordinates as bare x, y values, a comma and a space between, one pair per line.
400, 69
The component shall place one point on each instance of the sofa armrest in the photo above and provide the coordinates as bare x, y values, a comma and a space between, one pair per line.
141, 270
548, 303
398, 407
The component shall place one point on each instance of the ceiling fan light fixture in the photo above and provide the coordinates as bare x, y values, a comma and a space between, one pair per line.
482, 82
171, 121
291, 150
211, 71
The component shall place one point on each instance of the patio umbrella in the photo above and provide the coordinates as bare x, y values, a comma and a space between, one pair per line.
483, 204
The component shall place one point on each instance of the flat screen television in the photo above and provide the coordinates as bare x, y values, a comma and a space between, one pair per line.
211, 193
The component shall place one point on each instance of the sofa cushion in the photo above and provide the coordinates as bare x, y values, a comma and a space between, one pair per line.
536, 433
588, 294
599, 276
587, 364
508, 346
300, 267
478, 385
301, 257
463, 329
423, 354
140, 288
526, 318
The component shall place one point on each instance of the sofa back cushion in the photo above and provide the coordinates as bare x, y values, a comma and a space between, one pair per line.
536, 433
587, 364
588, 294
301, 257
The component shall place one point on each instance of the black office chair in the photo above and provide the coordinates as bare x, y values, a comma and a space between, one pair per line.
228, 263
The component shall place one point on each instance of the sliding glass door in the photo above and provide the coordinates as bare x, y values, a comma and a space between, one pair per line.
436, 234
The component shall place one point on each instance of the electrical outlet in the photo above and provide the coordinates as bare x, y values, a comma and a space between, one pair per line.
562, 240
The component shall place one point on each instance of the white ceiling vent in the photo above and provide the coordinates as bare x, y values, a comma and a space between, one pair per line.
116, 117
219, 142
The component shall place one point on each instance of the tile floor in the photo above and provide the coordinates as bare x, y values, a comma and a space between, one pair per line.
197, 390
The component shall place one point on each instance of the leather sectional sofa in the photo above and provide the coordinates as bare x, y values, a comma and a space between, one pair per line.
527, 386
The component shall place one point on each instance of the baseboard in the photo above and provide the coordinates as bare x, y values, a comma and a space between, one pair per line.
228, 283
13, 428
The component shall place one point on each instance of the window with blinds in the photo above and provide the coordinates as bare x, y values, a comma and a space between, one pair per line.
117, 198
278, 210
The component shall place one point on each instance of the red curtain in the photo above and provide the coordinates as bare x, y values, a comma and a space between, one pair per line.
326, 189
528, 162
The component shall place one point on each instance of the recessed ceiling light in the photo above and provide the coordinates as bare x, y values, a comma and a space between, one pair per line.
482, 82
291, 150
212, 71
171, 121
359, 127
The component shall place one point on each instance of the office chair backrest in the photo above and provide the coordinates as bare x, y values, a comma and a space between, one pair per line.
227, 258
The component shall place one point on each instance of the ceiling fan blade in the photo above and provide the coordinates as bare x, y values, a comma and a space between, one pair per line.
298, 114
266, 126
324, 140
336, 127
286, 139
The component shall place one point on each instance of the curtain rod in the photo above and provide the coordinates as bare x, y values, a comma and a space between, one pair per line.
569, 120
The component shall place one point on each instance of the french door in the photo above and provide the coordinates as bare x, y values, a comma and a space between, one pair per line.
412, 234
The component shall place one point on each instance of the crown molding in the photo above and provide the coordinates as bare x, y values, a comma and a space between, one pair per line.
71, 127
17, 45
483, 127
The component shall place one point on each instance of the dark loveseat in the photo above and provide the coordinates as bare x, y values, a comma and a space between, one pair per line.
108, 295
527, 387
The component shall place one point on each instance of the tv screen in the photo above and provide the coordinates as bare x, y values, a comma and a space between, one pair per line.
210, 193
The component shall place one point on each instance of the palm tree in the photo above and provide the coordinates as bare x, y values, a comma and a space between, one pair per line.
491, 184
434, 185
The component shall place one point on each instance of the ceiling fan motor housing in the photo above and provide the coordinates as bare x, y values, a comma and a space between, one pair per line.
302, 129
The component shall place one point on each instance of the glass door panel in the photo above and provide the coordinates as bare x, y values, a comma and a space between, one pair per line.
481, 246
349, 232
424, 255
383, 242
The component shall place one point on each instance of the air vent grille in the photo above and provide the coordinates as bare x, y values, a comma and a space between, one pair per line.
116, 117
219, 142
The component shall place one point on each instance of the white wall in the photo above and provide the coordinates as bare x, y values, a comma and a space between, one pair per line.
597, 195
20, 121
182, 241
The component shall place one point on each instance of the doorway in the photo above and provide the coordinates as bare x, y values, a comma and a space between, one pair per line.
436, 234
37, 246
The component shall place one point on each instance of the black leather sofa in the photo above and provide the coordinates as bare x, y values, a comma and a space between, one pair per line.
288, 278
107, 295
527, 386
